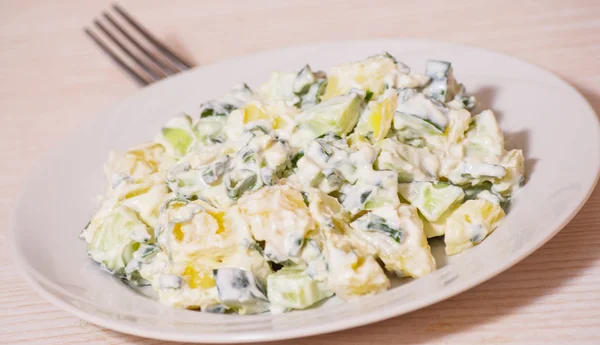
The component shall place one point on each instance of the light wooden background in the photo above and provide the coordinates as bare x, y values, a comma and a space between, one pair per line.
52, 79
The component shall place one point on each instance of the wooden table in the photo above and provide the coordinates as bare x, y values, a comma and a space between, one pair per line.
52, 79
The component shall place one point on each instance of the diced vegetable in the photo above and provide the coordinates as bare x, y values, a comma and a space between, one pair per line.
443, 87
309, 86
478, 170
239, 289
413, 103
146, 202
411, 164
326, 210
431, 199
113, 240
462, 100
351, 273
397, 235
484, 139
470, 224
376, 119
338, 115
513, 164
291, 288
373, 222
458, 124
435, 229
215, 109
210, 130
373, 189
215, 170
238, 182
369, 74
177, 136
279, 216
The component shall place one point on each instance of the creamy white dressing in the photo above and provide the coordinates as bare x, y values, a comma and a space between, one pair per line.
300, 188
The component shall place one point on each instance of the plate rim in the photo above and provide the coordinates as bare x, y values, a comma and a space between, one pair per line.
31, 275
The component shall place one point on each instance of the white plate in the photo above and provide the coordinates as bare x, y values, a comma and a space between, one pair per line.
541, 114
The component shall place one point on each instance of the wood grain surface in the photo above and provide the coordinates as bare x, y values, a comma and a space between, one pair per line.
53, 79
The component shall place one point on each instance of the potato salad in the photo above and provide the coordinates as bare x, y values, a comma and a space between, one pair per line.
310, 185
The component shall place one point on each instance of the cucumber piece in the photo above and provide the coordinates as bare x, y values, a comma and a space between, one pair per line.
482, 170
177, 136
237, 182
113, 240
304, 80
239, 289
215, 170
237, 98
415, 132
210, 130
413, 103
309, 86
214, 108
312, 255
338, 115
291, 288
313, 96
414, 127
475, 173
373, 222
432, 200
443, 86
373, 189
410, 163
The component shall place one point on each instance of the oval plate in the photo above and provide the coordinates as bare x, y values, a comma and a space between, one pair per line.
532, 105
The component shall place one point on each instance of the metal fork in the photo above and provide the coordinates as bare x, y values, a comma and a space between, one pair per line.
150, 62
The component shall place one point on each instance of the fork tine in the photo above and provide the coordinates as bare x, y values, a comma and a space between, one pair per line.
132, 73
155, 76
166, 68
173, 58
